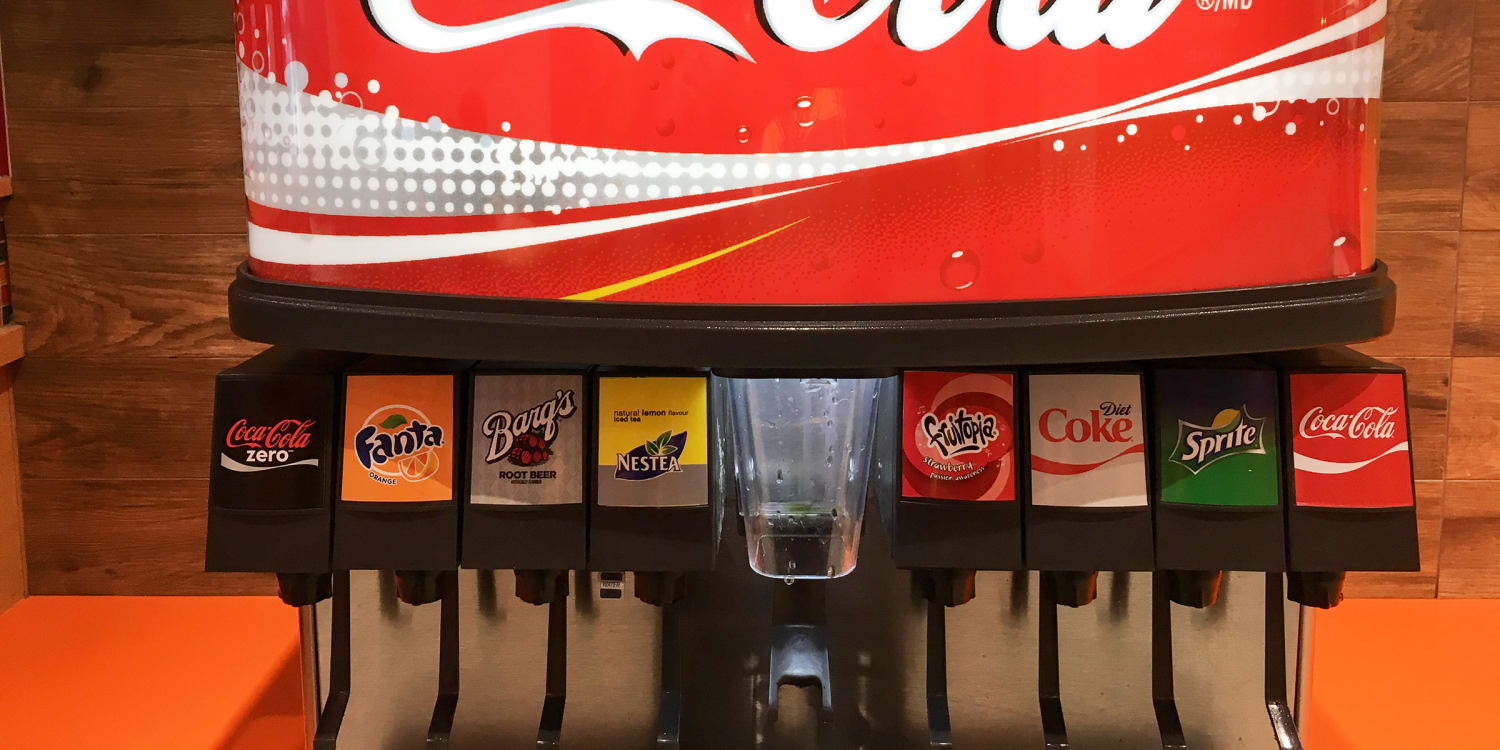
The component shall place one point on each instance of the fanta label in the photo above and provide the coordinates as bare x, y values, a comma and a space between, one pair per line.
653, 441
398, 439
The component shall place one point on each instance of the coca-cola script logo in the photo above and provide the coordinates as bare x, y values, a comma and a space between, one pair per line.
525, 439
1370, 422
960, 432
251, 447
1110, 423
800, 24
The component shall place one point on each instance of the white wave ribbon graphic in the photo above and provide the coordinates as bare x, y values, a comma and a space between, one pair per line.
1319, 466
233, 465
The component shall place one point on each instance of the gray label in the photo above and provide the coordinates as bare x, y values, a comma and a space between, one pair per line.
527, 446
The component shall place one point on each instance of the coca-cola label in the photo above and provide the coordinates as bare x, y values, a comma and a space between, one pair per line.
958, 436
1087, 440
1349, 442
251, 447
798, 151
528, 446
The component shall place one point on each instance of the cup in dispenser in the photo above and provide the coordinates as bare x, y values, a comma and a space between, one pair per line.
802, 458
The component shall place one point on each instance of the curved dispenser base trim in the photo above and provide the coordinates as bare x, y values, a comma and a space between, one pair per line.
857, 338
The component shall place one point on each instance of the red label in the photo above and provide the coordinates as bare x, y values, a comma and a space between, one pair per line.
1349, 440
797, 151
958, 436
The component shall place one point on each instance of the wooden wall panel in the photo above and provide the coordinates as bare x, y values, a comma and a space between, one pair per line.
130, 218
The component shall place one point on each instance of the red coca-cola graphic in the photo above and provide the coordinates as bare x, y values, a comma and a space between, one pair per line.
1349, 440
794, 151
958, 436
1088, 443
285, 434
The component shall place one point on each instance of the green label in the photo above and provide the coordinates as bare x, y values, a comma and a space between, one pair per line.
1216, 437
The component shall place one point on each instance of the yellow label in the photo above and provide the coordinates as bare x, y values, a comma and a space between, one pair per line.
636, 411
398, 439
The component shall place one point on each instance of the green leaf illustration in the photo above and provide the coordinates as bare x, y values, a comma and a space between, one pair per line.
392, 422
663, 438
667, 450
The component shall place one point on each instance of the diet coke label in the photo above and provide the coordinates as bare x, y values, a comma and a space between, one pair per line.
1088, 447
1350, 448
807, 152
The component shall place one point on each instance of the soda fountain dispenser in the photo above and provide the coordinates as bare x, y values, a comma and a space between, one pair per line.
526, 489
807, 205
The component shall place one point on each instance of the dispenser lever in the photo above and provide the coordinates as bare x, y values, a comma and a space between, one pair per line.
326, 737
1049, 690
1283, 723
1163, 694
669, 715
939, 728
441, 729
549, 731
799, 643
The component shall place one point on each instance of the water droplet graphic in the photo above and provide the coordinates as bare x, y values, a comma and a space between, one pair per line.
959, 270
1034, 253
1348, 257
666, 127
668, 61
910, 79
296, 76
805, 111
653, 85
879, 122
744, 134
1058, 145
1179, 132
1131, 129
1291, 128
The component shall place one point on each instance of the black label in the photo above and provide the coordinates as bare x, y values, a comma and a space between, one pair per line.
272, 442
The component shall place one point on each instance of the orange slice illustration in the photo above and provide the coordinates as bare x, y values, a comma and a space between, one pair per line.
417, 467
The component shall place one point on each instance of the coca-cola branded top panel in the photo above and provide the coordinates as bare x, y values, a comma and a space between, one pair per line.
273, 443
1088, 443
528, 446
809, 152
958, 436
1349, 440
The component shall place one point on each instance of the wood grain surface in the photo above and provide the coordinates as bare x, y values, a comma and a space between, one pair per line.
130, 217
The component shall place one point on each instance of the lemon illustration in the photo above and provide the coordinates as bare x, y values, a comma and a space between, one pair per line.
1225, 418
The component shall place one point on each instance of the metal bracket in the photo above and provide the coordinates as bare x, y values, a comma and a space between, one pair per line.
799, 643
331, 718
549, 731
1049, 683
441, 729
1163, 694
1283, 723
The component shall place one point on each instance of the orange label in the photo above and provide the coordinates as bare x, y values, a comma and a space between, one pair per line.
398, 439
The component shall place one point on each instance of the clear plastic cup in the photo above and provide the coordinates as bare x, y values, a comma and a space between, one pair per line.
802, 451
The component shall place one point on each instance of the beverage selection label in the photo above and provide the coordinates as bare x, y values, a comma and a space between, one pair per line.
653, 441
398, 439
1349, 441
272, 443
1088, 446
527, 447
1216, 437
958, 436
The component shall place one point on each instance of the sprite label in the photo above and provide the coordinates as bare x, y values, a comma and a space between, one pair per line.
1216, 437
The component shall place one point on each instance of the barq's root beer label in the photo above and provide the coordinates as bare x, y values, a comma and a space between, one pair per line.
1349, 440
958, 436
807, 152
398, 439
1216, 436
1087, 441
653, 441
528, 440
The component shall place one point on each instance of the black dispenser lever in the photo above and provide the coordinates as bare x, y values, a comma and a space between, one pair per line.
550, 587
799, 643
326, 737
1163, 693
1283, 723
666, 590
1049, 681
441, 729
942, 588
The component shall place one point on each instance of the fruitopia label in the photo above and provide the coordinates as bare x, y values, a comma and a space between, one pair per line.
1088, 447
1216, 437
653, 441
958, 436
802, 151
527, 447
398, 438
1349, 440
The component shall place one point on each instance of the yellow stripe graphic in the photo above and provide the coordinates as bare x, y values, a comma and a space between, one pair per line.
616, 288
